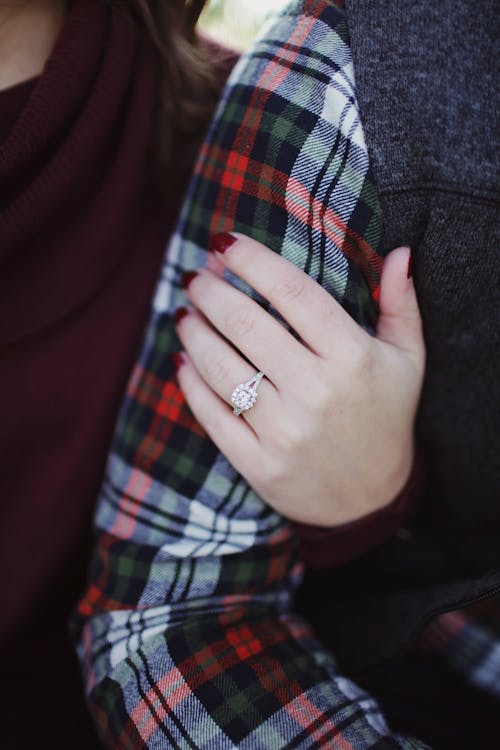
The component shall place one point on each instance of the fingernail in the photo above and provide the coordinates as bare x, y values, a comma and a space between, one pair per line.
180, 313
187, 278
219, 243
410, 265
178, 360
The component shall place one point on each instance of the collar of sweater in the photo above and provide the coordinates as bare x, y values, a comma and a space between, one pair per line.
72, 169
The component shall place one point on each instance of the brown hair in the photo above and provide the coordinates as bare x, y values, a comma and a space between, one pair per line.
188, 85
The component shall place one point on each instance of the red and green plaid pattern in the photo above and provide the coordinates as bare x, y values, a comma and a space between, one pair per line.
188, 637
468, 641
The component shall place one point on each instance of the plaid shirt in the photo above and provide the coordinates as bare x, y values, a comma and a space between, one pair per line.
188, 638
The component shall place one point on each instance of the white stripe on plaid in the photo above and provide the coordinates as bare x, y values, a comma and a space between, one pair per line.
215, 523
469, 647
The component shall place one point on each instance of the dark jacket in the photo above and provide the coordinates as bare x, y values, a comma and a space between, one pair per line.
426, 83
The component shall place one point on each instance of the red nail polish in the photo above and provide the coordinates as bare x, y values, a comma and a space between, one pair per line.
410, 266
178, 360
219, 243
187, 278
180, 313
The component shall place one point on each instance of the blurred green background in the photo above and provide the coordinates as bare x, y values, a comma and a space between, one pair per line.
235, 23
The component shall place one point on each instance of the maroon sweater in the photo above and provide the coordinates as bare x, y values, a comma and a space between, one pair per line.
82, 233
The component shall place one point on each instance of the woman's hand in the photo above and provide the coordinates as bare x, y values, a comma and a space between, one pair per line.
330, 438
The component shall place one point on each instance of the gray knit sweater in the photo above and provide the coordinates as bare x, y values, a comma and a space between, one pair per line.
427, 77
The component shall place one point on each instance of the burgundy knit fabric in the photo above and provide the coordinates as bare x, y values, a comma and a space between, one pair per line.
82, 237
12, 102
82, 234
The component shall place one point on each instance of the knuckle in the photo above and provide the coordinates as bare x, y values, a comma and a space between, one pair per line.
240, 324
289, 440
361, 357
216, 371
290, 287
316, 392
319, 397
275, 471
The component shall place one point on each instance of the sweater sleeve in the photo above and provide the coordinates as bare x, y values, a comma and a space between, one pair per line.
328, 547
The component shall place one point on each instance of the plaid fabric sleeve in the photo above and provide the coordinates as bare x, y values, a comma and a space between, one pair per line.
187, 634
468, 641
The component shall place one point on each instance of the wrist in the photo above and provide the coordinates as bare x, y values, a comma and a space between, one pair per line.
399, 477
325, 547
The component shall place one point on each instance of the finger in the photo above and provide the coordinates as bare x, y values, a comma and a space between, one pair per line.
308, 308
255, 333
223, 369
400, 323
232, 436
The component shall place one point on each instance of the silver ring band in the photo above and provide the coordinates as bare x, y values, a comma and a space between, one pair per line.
245, 395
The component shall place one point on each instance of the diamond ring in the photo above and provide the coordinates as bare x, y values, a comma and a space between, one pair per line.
245, 395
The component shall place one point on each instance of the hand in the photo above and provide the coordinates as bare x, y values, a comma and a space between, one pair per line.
330, 438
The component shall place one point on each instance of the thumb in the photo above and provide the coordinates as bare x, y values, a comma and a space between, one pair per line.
400, 323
